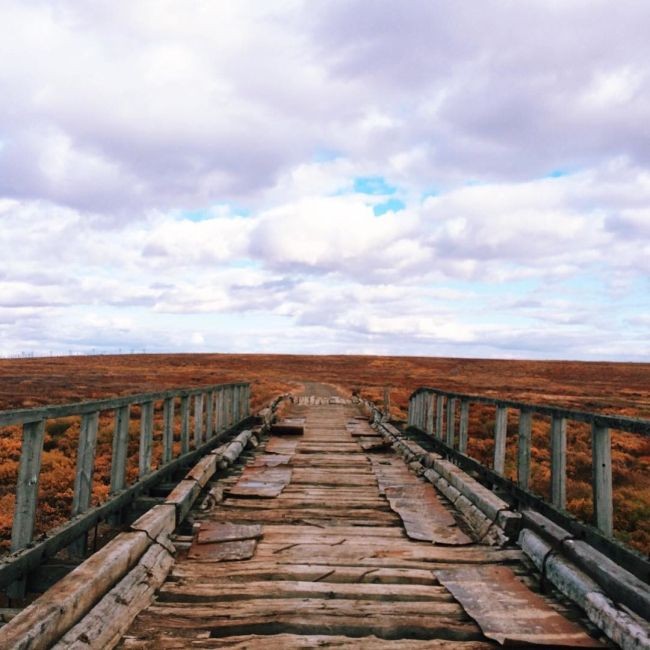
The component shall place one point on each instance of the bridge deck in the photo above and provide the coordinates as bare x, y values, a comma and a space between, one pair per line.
333, 566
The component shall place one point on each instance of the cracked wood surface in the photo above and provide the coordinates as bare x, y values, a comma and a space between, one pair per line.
335, 566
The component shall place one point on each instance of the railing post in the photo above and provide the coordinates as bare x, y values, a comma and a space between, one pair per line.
83, 484
185, 424
451, 417
430, 413
146, 434
198, 420
523, 448
463, 429
409, 421
601, 454
440, 413
558, 461
221, 414
29, 471
120, 448
209, 415
168, 430
500, 431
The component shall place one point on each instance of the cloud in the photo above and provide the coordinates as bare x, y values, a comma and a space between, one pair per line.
336, 175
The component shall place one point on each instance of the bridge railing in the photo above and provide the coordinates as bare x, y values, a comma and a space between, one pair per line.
434, 411
202, 414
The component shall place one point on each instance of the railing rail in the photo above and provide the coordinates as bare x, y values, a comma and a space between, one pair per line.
216, 408
426, 401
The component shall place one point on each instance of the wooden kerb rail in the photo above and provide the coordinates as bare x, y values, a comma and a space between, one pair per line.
584, 561
212, 410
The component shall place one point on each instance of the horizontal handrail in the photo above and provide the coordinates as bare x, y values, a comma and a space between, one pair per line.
52, 411
427, 407
622, 423
213, 409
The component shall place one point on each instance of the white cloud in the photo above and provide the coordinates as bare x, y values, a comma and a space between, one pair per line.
136, 136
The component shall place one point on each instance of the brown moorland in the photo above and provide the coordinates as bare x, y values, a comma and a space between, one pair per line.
617, 388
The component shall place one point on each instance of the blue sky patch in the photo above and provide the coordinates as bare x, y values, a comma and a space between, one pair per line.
392, 205
374, 185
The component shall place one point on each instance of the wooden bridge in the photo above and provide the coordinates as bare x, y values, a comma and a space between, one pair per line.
326, 526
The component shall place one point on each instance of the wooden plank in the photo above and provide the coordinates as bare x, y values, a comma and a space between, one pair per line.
287, 641
430, 413
217, 592
463, 430
500, 432
219, 412
168, 430
120, 448
517, 616
558, 462
601, 454
523, 448
267, 482
211, 532
146, 434
423, 516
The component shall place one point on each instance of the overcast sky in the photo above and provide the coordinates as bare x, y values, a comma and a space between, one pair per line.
355, 176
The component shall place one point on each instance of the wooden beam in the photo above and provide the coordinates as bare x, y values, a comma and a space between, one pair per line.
523, 448
146, 434
500, 432
601, 454
120, 448
558, 462
463, 430
430, 413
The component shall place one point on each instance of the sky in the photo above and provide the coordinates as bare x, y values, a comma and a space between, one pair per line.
428, 178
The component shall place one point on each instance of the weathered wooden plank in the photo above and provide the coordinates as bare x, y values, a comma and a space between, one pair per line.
217, 592
558, 462
287, 641
267, 482
517, 616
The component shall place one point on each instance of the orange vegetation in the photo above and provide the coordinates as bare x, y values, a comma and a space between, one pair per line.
620, 388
